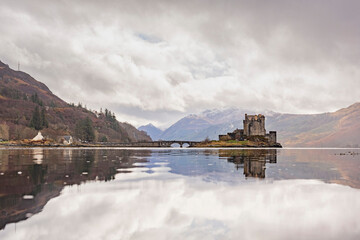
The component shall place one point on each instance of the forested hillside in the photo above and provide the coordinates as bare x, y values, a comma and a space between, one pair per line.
27, 105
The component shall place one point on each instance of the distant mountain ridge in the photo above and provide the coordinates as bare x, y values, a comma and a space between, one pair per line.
152, 131
20, 94
336, 129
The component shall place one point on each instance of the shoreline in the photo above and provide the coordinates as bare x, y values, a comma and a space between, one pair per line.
202, 147
124, 146
153, 144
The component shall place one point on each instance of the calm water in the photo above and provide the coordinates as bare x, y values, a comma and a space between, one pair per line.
179, 194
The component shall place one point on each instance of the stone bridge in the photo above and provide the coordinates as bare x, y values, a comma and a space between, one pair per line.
181, 143
161, 143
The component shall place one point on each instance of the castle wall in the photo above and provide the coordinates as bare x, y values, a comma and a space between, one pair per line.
224, 137
246, 126
272, 136
254, 125
239, 134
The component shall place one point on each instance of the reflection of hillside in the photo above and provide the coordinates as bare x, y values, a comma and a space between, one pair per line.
252, 161
325, 164
41, 174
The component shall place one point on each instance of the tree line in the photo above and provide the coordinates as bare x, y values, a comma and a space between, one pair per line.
38, 120
84, 130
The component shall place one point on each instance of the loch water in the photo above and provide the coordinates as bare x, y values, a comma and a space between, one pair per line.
114, 193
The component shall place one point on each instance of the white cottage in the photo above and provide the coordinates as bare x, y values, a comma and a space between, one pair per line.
68, 140
38, 137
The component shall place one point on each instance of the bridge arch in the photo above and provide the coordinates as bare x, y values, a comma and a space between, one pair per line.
186, 145
175, 144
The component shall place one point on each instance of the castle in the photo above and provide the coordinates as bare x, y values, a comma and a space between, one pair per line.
254, 125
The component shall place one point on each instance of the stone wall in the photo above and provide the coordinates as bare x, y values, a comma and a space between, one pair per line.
272, 136
224, 137
254, 125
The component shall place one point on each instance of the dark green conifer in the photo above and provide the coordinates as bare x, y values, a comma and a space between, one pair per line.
36, 121
44, 122
84, 130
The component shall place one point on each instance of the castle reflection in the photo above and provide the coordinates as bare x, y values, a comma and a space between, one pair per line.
252, 161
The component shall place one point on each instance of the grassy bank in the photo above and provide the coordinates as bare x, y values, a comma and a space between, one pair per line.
235, 143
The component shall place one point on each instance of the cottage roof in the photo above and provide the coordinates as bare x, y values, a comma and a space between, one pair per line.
67, 138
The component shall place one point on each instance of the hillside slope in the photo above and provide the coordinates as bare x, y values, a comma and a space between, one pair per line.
336, 129
20, 94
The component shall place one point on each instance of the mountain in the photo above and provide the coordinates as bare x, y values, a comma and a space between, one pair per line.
21, 95
152, 131
209, 123
336, 129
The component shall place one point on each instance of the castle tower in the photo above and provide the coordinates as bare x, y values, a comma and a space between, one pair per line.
254, 125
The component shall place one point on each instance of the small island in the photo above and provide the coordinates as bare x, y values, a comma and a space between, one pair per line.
252, 135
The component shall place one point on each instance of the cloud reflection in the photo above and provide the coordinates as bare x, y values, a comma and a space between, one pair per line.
163, 205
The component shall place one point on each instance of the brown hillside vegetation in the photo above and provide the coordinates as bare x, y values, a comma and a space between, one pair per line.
19, 96
335, 129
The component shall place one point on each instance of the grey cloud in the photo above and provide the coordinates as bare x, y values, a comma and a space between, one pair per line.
160, 117
185, 56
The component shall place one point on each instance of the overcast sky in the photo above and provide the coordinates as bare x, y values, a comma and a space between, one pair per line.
156, 61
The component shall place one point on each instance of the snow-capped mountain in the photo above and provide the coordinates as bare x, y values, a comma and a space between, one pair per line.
336, 129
